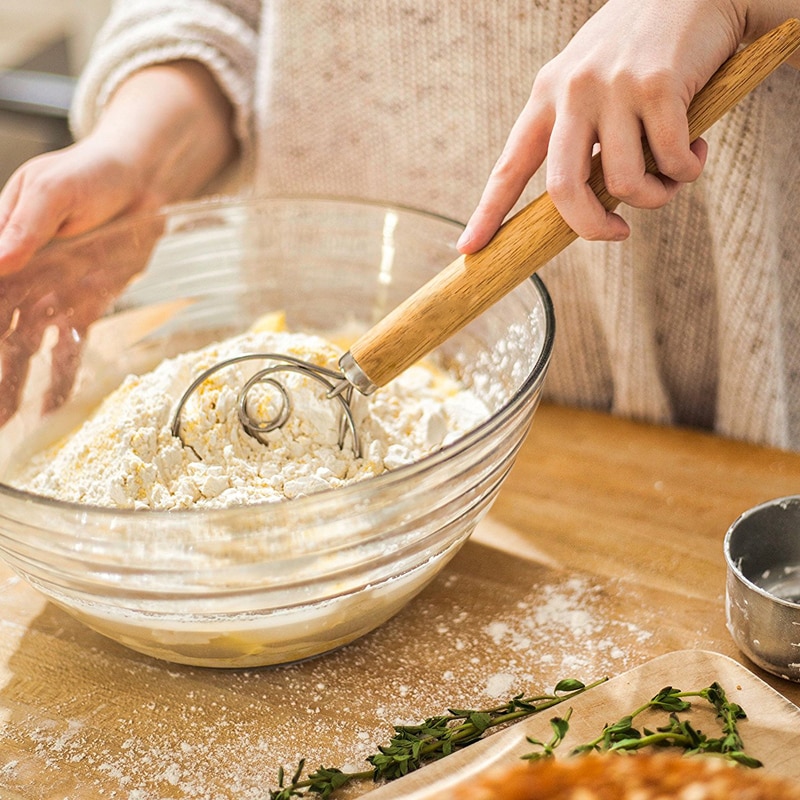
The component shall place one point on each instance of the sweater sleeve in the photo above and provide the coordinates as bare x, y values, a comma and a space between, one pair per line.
221, 34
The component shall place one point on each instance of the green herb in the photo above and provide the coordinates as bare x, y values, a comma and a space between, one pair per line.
676, 732
413, 746
560, 726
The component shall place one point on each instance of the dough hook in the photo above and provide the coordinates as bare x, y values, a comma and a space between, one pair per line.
256, 427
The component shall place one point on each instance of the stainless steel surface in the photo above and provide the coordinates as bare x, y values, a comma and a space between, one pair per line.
355, 375
762, 552
255, 426
33, 92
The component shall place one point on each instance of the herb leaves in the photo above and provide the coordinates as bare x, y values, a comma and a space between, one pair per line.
675, 732
413, 746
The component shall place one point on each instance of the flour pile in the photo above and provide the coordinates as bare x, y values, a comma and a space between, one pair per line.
124, 455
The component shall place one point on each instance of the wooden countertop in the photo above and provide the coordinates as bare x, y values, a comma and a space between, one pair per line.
602, 551
644, 504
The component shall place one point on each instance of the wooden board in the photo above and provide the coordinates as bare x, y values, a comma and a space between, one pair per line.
771, 732
602, 552
80, 714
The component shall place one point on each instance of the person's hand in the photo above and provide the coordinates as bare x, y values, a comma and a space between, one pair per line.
630, 72
62, 194
64, 289
165, 134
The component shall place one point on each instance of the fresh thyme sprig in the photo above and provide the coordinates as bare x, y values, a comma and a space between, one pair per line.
412, 746
560, 726
624, 736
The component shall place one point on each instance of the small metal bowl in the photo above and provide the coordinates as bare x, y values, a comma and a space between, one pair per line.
762, 551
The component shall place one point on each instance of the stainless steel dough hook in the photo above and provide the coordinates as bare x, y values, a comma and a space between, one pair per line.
330, 380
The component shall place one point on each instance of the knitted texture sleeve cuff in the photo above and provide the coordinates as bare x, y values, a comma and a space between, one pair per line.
223, 36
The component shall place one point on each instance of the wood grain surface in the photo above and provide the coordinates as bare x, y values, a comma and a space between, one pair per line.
602, 551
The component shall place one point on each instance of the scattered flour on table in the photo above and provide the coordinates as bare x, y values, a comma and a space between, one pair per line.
564, 626
125, 456
154, 731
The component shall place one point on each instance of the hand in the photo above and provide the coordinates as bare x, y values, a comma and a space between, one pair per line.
164, 135
55, 195
630, 72
64, 288
62, 194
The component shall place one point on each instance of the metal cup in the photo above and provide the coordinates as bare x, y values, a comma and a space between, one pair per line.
762, 551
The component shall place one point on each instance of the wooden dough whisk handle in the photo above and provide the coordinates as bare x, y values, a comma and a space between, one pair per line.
533, 236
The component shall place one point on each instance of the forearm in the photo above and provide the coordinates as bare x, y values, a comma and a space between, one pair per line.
171, 126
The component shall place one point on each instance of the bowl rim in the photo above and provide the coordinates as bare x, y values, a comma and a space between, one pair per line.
343, 493
733, 567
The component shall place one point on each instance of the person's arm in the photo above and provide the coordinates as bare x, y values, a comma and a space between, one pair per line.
163, 136
630, 71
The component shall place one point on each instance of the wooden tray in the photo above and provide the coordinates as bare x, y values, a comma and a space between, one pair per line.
771, 732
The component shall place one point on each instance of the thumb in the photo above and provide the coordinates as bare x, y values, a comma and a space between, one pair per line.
25, 231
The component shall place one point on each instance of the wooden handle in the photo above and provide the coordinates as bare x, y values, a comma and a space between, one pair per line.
529, 239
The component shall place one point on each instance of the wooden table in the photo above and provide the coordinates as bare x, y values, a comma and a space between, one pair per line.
645, 505
603, 550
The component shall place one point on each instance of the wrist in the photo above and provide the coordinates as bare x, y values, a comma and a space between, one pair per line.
170, 127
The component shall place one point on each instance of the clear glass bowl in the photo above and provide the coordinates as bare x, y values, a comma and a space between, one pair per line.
274, 582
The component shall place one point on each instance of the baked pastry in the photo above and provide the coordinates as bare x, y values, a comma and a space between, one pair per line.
640, 776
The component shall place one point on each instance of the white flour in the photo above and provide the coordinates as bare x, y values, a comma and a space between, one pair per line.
125, 456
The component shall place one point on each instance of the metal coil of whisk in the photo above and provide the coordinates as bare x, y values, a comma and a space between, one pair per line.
336, 389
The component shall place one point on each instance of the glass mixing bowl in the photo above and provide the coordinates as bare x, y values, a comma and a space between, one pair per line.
272, 582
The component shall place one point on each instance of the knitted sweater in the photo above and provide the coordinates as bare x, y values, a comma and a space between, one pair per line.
694, 320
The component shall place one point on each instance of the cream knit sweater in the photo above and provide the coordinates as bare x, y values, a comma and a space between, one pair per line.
694, 320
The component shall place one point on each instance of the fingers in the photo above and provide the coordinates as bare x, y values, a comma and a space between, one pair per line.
59, 194
523, 154
617, 110
627, 75
30, 216
21, 237
568, 169
625, 168
628, 175
65, 360
666, 129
